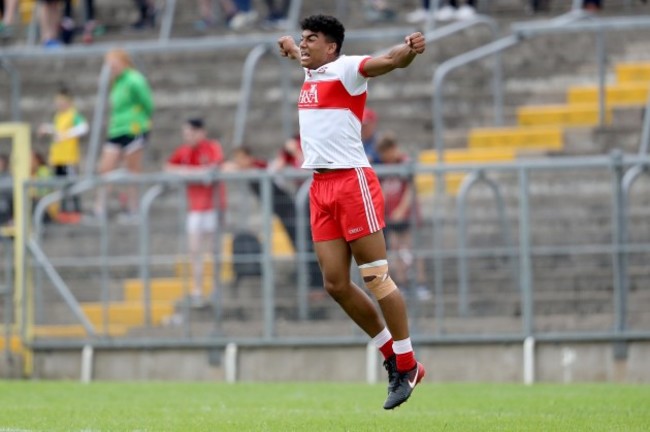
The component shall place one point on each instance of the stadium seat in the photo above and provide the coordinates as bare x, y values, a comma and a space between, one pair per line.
633, 72
517, 138
574, 115
127, 313
623, 94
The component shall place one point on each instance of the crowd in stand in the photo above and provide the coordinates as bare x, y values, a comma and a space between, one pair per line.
60, 23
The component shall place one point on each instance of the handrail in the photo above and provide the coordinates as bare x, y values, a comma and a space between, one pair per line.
104, 83
644, 145
60, 285
246, 89
144, 236
167, 21
494, 47
38, 217
468, 183
250, 64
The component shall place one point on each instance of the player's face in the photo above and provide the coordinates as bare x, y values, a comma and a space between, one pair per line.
315, 50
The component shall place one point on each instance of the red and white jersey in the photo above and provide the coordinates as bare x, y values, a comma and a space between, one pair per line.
330, 109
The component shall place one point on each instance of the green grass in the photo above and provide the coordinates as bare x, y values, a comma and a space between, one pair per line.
71, 407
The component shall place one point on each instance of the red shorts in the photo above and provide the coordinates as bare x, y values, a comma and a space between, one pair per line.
345, 203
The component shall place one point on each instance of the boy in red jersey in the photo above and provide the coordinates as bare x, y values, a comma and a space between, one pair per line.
346, 203
198, 155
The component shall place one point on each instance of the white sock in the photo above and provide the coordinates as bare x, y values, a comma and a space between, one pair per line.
382, 337
402, 346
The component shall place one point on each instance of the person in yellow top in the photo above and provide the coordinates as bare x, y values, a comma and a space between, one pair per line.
64, 157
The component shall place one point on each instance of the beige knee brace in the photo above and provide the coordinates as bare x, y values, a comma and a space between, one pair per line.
376, 277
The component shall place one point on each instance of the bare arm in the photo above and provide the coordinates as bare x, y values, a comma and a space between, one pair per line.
288, 48
399, 57
401, 212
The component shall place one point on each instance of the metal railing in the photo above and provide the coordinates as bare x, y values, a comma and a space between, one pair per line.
568, 23
522, 252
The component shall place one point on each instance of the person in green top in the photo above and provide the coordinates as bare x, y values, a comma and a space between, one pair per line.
129, 124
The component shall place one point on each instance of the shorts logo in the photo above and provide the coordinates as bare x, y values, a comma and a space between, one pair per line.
355, 230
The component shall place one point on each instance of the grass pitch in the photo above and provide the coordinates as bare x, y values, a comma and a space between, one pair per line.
123, 407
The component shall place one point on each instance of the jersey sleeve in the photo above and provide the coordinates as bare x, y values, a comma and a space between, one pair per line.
176, 157
353, 77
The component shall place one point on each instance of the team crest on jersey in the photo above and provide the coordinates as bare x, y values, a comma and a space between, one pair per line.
308, 95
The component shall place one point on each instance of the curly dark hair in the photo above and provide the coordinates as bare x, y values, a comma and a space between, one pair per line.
328, 25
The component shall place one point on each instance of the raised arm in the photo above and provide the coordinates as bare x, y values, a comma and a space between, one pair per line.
288, 48
399, 57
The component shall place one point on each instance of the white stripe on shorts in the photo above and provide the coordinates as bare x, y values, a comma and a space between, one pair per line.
373, 223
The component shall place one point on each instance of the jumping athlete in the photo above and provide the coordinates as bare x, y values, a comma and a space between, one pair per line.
346, 203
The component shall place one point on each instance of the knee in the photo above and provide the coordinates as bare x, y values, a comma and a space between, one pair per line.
336, 288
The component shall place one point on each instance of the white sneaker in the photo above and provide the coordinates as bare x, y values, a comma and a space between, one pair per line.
417, 16
465, 12
445, 13
243, 19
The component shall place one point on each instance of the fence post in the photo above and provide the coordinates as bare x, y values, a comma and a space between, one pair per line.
267, 258
302, 252
14, 77
619, 256
525, 264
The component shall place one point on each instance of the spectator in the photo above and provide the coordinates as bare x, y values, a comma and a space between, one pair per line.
239, 13
68, 24
67, 127
129, 125
450, 10
6, 192
401, 211
199, 155
50, 21
277, 17
207, 17
369, 134
147, 14
8, 11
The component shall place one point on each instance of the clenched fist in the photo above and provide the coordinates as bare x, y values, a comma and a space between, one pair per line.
288, 47
416, 42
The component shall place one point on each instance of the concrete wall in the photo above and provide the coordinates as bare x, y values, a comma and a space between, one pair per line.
555, 362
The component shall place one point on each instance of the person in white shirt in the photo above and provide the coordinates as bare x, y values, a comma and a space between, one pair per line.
346, 202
